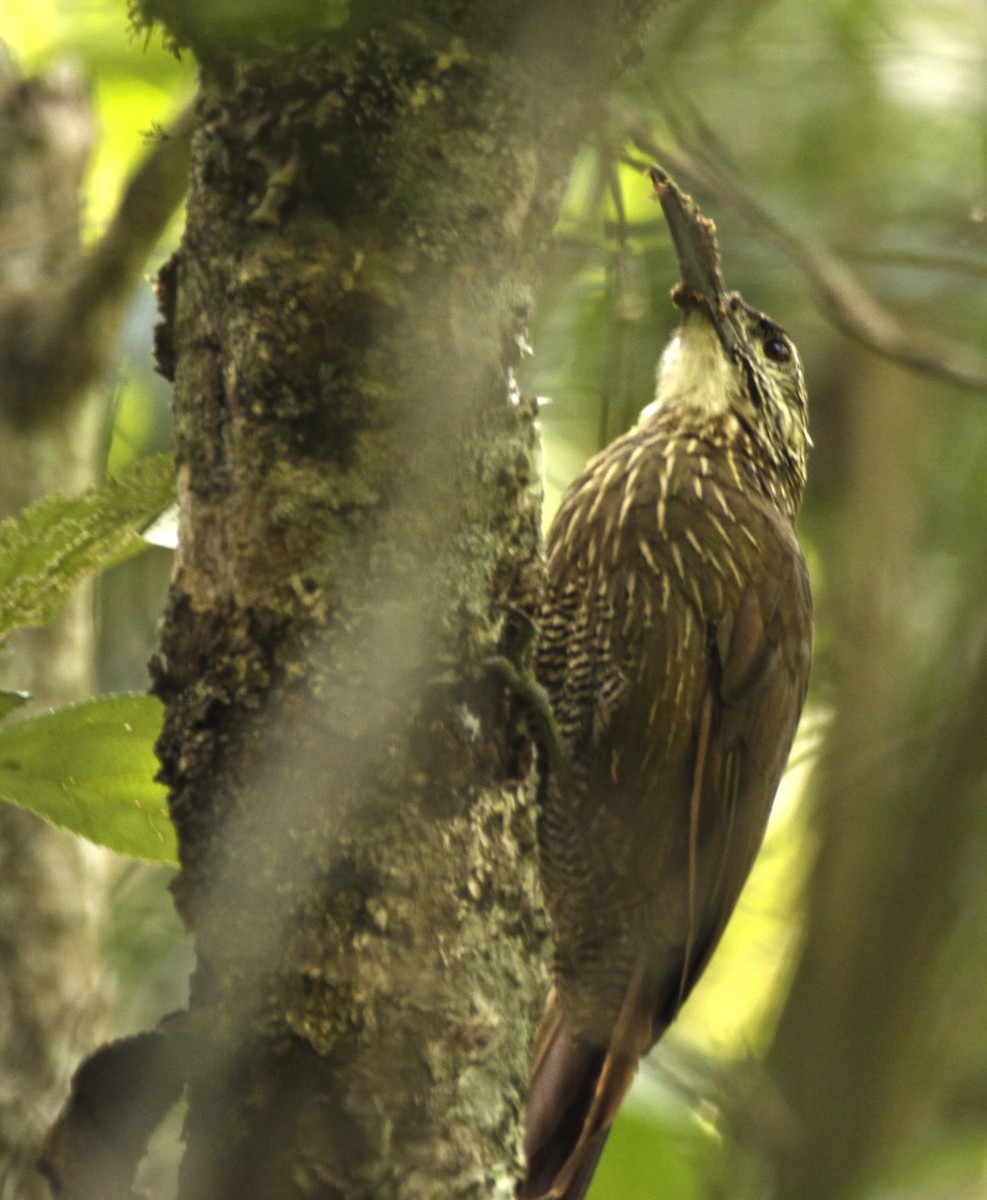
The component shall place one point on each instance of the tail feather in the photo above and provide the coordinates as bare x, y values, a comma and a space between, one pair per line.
576, 1090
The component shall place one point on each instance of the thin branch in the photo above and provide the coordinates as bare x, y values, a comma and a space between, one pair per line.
152, 194
74, 343
919, 260
846, 300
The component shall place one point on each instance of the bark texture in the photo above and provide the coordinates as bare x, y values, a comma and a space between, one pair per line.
359, 531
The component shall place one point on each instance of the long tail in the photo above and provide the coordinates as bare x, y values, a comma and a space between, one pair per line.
576, 1090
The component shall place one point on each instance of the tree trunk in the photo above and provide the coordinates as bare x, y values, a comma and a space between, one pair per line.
359, 533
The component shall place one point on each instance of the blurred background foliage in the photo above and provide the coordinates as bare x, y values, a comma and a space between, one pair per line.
136, 86
837, 1046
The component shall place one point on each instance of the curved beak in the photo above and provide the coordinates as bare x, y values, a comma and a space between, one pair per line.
694, 238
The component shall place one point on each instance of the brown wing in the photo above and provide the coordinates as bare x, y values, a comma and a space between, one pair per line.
675, 650
755, 687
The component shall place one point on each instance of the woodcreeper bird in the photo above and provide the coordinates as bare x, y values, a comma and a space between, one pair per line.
674, 646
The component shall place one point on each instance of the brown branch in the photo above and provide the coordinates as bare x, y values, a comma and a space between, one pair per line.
846, 300
120, 1094
152, 194
88, 323
66, 347
919, 260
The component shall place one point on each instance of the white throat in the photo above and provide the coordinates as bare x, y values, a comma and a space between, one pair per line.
694, 370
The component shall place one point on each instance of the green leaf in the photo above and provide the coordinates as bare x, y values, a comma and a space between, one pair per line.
651, 1155
11, 702
90, 768
53, 545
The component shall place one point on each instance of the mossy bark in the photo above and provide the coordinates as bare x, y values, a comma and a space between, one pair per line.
359, 532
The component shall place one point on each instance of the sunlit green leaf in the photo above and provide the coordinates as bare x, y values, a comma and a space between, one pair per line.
646, 1159
90, 768
55, 544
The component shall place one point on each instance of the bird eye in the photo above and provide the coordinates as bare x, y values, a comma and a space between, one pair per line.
777, 350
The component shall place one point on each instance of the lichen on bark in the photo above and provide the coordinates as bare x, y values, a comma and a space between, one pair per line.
360, 515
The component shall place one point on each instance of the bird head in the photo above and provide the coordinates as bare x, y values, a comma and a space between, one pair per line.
727, 356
